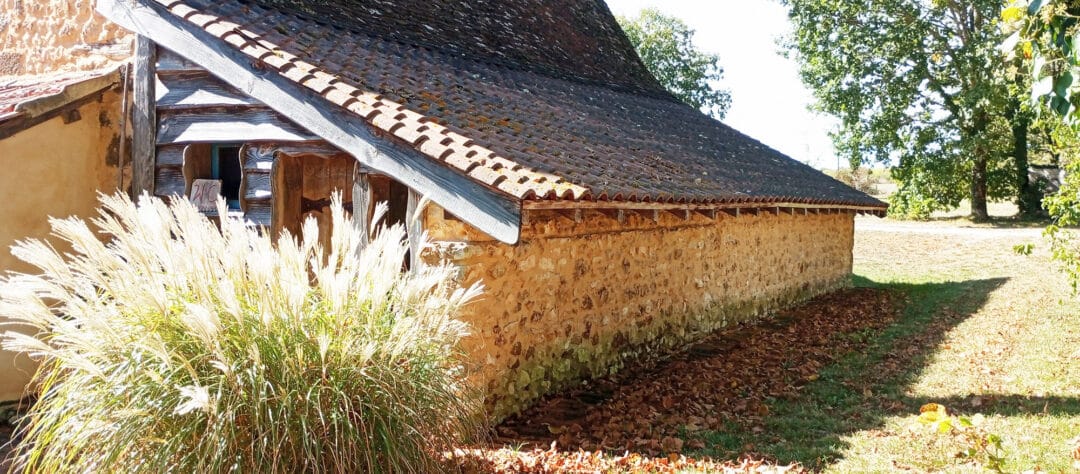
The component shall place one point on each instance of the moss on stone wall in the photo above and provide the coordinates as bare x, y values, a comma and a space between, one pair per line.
576, 300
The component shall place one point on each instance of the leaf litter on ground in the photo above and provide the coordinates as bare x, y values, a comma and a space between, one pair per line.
647, 417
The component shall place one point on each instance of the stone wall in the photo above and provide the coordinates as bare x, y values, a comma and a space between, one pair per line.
41, 36
52, 170
576, 300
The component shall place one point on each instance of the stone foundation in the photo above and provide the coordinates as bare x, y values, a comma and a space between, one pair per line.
577, 300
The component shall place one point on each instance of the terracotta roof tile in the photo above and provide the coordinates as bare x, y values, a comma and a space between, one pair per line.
531, 116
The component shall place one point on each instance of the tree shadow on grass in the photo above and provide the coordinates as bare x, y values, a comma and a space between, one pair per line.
788, 389
996, 222
860, 390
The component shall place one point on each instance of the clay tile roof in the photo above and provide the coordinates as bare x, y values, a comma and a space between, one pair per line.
540, 99
33, 95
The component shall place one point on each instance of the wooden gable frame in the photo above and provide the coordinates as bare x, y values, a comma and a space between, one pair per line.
492, 212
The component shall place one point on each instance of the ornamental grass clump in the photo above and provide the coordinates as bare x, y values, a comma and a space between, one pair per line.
176, 346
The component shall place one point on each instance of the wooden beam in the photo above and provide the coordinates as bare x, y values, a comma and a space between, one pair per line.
195, 92
19, 123
143, 118
221, 125
489, 210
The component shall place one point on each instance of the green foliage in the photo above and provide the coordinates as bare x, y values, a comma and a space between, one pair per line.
179, 347
915, 83
1047, 33
1025, 249
976, 443
907, 203
1064, 208
666, 46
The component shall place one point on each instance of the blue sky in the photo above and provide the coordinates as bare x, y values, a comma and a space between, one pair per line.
769, 101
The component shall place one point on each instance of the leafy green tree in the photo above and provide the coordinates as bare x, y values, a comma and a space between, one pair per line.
666, 46
916, 82
1047, 35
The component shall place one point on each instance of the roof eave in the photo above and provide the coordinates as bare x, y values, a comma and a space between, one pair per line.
493, 213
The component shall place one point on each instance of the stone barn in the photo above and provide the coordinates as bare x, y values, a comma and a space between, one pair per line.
606, 218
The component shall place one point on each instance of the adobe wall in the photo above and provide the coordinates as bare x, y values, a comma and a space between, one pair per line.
40, 36
52, 169
577, 300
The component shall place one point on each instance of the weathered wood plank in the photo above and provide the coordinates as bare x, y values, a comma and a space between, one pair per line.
197, 164
169, 181
415, 229
362, 203
184, 126
260, 213
171, 155
169, 62
319, 149
286, 184
143, 118
176, 92
259, 157
492, 212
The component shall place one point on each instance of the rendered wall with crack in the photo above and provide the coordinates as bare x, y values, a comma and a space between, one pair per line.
53, 169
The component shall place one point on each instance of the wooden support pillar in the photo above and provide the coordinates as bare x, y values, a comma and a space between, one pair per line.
415, 215
143, 118
362, 203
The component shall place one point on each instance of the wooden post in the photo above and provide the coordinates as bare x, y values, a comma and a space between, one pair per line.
415, 214
144, 118
361, 198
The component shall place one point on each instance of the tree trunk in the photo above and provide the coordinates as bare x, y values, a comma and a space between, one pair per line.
1028, 197
978, 189
978, 171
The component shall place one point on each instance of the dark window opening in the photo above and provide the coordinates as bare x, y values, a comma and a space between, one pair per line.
227, 168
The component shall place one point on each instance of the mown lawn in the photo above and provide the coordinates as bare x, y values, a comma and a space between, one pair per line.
984, 331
